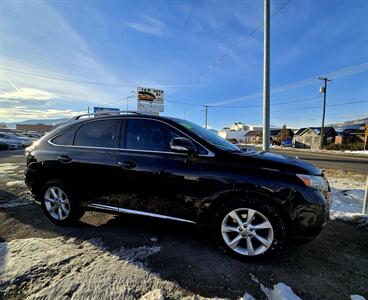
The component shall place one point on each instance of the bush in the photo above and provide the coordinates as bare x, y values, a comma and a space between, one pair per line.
349, 146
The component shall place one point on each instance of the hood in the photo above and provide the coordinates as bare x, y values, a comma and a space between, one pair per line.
278, 162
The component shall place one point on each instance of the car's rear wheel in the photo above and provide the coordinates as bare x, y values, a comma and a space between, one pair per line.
249, 229
59, 204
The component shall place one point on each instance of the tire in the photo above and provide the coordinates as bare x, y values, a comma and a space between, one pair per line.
59, 204
266, 242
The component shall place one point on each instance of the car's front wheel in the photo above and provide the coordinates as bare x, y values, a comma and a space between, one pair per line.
249, 229
59, 204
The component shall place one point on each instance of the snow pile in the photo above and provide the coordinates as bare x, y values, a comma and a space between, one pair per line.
347, 200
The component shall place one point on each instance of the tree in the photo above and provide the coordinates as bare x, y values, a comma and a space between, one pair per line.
284, 134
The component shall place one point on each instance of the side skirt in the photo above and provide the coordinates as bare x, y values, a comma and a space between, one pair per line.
135, 212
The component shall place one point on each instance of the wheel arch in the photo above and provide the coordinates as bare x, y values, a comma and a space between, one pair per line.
244, 194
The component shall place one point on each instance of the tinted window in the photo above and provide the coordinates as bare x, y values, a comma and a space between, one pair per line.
65, 138
149, 135
97, 134
207, 135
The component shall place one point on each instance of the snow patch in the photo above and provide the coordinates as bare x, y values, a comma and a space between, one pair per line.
280, 291
356, 218
7, 168
357, 297
347, 200
15, 183
247, 297
153, 295
57, 268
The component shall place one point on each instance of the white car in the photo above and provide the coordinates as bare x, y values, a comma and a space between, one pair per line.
12, 144
25, 141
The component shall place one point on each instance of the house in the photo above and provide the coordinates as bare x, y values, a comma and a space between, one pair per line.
253, 137
238, 130
310, 137
351, 135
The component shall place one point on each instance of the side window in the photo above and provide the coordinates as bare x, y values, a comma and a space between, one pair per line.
97, 134
149, 135
65, 138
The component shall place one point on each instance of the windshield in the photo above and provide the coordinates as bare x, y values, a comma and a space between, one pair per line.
208, 135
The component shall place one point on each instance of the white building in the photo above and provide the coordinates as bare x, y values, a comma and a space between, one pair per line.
238, 130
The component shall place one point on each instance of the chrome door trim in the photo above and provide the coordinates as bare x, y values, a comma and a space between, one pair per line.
136, 212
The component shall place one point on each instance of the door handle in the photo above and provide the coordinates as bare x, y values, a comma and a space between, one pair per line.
63, 158
127, 164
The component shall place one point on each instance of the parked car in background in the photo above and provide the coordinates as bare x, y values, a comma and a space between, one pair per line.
33, 134
287, 143
10, 142
24, 140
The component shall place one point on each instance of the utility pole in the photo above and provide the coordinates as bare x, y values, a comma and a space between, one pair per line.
266, 77
365, 201
88, 109
324, 91
206, 113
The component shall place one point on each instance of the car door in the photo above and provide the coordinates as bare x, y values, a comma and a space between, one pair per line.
153, 178
87, 160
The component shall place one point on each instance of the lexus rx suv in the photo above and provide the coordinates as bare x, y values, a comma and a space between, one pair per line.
253, 202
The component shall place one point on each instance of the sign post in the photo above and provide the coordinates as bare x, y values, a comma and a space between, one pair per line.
365, 136
150, 100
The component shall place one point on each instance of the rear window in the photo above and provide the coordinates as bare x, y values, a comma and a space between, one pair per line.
65, 138
101, 133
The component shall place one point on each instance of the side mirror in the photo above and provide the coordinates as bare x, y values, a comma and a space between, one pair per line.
183, 145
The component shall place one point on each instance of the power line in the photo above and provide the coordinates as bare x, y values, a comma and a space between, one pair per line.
234, 47
298, 84
245, 106
329, 105
260, 105
84, 81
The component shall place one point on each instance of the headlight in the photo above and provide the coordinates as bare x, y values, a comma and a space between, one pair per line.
318, 182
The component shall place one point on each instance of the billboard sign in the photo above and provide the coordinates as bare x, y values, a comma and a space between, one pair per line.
150, 100
97, 109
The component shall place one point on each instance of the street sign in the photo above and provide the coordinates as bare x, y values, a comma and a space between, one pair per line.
97, 109
366, 130
150, 100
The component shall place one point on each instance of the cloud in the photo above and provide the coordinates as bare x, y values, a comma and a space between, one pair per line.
20, 113
27, 94
148, 25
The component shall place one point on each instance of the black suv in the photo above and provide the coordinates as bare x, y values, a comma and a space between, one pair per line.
169, 168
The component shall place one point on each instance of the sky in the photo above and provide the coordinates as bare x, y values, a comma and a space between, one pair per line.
57, 58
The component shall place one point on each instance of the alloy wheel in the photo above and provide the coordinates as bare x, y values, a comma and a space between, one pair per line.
57, 203
247, 231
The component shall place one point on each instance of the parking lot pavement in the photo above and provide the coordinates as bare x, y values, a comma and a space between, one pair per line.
131, 256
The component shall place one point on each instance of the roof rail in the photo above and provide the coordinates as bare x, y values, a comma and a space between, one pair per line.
105, 113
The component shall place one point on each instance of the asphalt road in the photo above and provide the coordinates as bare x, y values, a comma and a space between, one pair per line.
323, 160
334, 266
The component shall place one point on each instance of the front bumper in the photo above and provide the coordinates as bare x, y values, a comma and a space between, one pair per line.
311, 217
